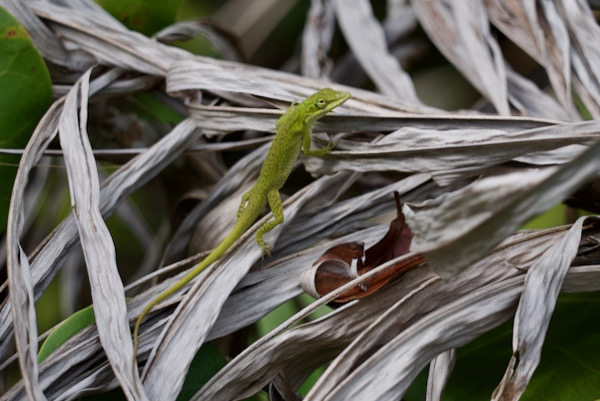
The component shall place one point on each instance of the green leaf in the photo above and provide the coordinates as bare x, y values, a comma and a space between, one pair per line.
26, 95
152, 108
65, 330
570, 363
145, 16
553, 217
568, 370
207, 362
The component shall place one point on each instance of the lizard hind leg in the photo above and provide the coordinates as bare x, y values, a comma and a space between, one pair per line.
245, 198
274, 201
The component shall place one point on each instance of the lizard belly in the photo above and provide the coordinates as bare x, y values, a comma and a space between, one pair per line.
280, 161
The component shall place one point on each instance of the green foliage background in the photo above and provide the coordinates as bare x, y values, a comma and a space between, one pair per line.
26, 95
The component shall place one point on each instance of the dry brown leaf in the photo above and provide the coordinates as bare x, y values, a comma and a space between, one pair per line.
344, 262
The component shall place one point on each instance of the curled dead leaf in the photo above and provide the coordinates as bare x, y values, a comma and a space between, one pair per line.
344, 262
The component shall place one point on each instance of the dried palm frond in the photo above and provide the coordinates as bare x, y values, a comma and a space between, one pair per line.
469, 181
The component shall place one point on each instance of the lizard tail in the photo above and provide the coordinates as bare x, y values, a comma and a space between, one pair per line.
211, 258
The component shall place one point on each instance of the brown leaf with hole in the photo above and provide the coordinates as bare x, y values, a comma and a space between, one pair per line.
344, 262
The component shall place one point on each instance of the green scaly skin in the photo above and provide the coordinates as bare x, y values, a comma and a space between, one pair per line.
294, 134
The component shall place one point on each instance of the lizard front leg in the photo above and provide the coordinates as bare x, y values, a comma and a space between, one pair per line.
307, 143
274, 201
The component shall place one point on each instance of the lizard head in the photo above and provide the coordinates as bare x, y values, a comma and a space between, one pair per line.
322, 102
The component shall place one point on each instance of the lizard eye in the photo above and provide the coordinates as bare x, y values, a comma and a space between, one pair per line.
321, 103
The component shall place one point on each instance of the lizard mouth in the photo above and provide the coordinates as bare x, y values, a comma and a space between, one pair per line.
341, 99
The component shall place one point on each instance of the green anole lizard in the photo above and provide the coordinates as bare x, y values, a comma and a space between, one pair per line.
294, 130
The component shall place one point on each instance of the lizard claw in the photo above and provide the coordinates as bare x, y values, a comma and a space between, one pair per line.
266, 251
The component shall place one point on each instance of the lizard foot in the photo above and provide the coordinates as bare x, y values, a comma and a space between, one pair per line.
266, 252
